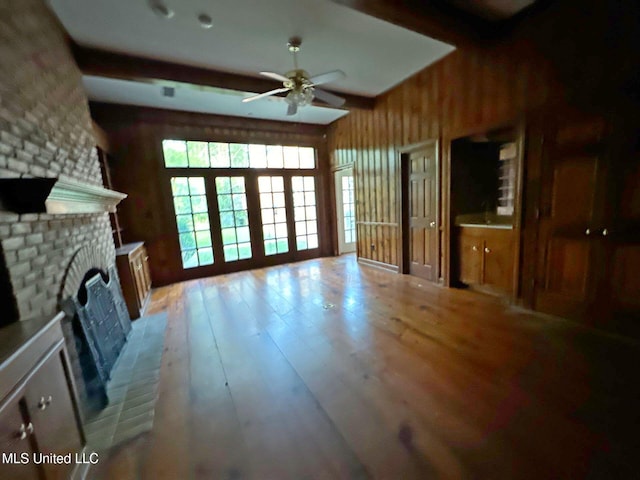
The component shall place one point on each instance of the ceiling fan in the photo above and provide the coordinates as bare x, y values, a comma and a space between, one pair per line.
302, 88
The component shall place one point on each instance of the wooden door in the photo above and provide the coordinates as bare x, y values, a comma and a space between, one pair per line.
345, 211
498, 260
470, 252
422, 196
570, 216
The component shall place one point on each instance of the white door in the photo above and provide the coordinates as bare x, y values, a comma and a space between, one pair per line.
346, 211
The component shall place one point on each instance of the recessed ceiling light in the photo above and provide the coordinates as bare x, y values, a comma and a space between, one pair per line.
205, 20
161, 9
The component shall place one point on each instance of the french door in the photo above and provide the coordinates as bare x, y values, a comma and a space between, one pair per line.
245, 218
345, 210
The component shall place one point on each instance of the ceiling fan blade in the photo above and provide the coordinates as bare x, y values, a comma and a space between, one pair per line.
327, 77
265, 94
292, 109
275, 76
329, 98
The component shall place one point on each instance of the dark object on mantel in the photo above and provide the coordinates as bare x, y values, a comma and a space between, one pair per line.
55, 196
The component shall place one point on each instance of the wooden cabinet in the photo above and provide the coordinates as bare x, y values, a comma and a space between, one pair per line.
38, 408
135, 277
486, 258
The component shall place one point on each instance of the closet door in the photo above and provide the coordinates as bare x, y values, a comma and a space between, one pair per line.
571, 215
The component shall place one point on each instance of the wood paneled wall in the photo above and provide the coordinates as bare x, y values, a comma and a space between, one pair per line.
561, 56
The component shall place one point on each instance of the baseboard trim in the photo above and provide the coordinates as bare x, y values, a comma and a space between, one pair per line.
375, 264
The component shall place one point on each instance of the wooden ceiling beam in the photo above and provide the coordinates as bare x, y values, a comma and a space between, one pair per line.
127, 67
436, 19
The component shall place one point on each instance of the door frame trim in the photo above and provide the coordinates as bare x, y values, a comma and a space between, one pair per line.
402, 212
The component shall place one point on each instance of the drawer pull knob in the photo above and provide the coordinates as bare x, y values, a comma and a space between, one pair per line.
44, 402
487, 250
587, 231
474, 248
432, 224
605, 232
25, 430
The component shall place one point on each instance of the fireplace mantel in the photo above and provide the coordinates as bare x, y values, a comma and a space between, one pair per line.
55, 196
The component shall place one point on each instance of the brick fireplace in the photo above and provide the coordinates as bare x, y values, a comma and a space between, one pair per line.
45, 131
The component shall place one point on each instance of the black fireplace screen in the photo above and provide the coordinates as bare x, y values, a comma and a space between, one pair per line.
101, 325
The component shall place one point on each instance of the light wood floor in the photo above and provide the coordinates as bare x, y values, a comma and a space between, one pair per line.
327, 369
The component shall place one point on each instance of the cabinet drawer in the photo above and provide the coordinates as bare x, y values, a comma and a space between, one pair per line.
16, 441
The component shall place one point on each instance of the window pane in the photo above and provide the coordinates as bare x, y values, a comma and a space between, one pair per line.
196, 186
234, 218
198, 154
257, 156
239, 155
305, 212
275, 235
185, 223
277, 184
192, 220
219, 153
274, 156
307, 157
182, 205
190, 259
179, 186
175, 153
223, 185
291, 157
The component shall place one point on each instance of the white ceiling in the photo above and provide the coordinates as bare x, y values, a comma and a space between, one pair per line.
203, 100
251, 35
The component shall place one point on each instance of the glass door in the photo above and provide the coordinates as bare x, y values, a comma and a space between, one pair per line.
345, 211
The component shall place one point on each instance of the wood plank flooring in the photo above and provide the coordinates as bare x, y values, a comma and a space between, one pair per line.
327, 369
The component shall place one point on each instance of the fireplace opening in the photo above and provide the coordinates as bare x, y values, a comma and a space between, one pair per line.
100, 325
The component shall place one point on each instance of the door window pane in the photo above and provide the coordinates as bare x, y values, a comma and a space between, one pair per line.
234, 218
192, 219
274, 215
305, 212
348, 209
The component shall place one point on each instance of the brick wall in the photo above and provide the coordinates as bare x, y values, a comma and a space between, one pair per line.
45, 130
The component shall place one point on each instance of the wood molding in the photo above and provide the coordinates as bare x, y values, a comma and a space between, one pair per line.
56, 196
375, 264
433, 19
379, 224
119, 114
102, 63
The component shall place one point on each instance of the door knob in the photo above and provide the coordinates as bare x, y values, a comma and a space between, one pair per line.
432, 224
487, 250
587, 231
605, 232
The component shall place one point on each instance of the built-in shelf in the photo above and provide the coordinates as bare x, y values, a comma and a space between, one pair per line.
55, 196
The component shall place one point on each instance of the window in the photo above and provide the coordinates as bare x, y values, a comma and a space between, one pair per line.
274, 215
234, 218
348, 209
304, 212
190, 154
192, 219
220, 180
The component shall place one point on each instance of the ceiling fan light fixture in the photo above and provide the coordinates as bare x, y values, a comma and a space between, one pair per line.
300, 98
161, 10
